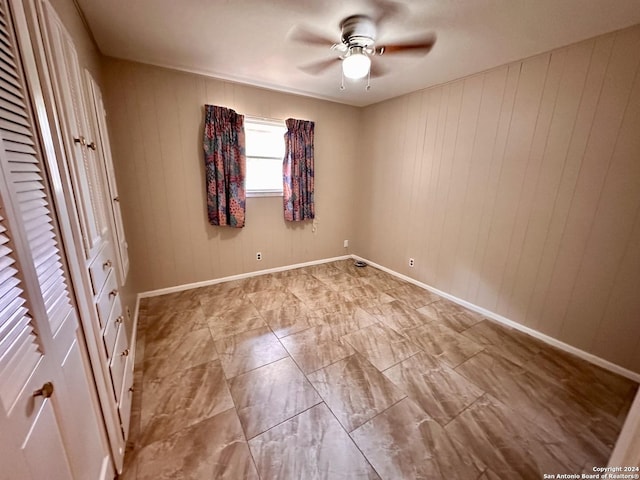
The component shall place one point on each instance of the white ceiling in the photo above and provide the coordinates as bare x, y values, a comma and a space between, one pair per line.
246, 40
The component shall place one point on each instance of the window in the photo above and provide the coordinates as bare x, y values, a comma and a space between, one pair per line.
264, 148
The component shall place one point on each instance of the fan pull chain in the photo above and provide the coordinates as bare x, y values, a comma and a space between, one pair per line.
342, 80
368, 87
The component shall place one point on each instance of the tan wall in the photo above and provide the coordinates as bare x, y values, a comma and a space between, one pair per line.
518, 190
156, 122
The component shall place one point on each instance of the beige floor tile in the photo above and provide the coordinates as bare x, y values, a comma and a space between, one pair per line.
220, 297
404, 442
439, 390
544, 410
451, 315
554, 409
354, 390
310, 445
266, 300
510, 445
290, 318
412, 295
213, 448
443, 343
300, 283
320, 269
515, 346
316, 347
365, 291
342, 281
606, 391
381, 345
228, 325
400, 317
166, 328
489, 475
383, 281
176, 353
270, 395
248, 350
174, 302
349, 320
261, 283
320, 298
182, 399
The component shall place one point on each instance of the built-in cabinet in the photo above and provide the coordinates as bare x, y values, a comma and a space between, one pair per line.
77, 99
51, 422
66, 352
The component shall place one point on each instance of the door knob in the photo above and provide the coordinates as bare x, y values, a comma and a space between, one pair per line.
46, 391
81, 140
91, 145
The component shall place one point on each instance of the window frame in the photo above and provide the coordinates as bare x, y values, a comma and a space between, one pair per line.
272, 122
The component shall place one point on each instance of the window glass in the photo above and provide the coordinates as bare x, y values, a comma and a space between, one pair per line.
264, 148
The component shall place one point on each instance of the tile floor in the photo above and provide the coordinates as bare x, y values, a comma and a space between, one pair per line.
332, 371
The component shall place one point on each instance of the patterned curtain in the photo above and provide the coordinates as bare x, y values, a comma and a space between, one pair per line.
297, 171
225, 165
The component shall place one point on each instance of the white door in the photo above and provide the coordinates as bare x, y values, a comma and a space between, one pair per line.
98, 115
48, 420
81, 149
86, 191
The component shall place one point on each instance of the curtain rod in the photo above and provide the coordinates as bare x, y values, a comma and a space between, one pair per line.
268, 119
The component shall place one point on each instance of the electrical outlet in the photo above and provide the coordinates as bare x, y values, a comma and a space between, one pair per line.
412, 262
346, 244
259, 256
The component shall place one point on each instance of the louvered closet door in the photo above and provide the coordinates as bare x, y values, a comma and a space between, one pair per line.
30, 424
48, 422
85, 166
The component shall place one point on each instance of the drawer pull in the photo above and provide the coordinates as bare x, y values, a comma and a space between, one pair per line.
113, 293
46, 391
131, 389
119, 320
106, 264
81, 140
125, 353
92, 145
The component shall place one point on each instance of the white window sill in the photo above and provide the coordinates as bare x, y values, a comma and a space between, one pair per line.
263, 194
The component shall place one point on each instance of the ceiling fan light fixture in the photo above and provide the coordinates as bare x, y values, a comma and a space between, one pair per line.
356, 65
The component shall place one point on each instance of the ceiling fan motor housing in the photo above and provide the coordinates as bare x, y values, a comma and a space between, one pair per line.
358, 31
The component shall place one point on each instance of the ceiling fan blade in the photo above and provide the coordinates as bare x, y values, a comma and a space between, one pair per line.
305, 35
377, 70
419, 46
316, 68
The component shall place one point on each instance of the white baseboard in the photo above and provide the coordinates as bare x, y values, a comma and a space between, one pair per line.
205, 283
589, 357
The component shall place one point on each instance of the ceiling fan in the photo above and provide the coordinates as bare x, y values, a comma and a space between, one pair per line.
357, 46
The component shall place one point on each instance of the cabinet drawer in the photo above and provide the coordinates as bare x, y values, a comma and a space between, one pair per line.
107, 298
124, 407
101, 267
119, 362
111, 329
